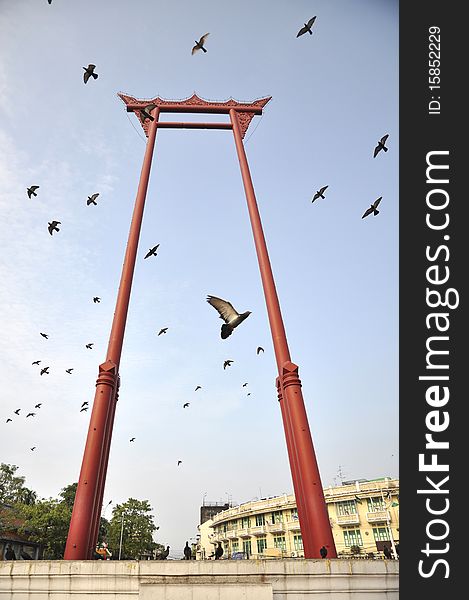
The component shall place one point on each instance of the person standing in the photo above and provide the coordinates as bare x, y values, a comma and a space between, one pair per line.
10, 553
187, 552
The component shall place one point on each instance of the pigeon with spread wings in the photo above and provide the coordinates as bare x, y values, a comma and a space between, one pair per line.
32, 190
89, 72
92, 200
200, 44
381, 145
307, 27
320, 193
152, 251
52, 226
229, 314
373, 208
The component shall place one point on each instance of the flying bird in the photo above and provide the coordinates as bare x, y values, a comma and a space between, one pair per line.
69, 371
179, 462
38, 405
320, 193
45, 371
248, 394
152, 251
132, 439
89, 72
84, 409
8, 420
373, 208
227, 363
33, 448
30, 415
244, 384
84, 404
200, 44
164, 330
199, 387
92, 200
89, 346
145, 113
45, 335
53, 226
185, 405
307, 27
381, 145
96, 300
32, 190
17, 411
259, 349
229, 314
36, 362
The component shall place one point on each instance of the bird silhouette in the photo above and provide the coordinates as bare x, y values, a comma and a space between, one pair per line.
145, 113
228, 313
200, 44
33, 448
52, 226
179, 462
244, 384
89, 72
30, 415
152, 251
373, 208
96, 299
69, 371
165, 553
320, 193
381, 145
132, 439
248, 394
92, 200
307, 27
8, 420
199, 387
84, 409
227, 363
36, 362
84, 404
90, 345
45, 371
38, 405
185, 405
259, 349
323, 551
32, 190
17, 411
45, 335
164, 330
49, 1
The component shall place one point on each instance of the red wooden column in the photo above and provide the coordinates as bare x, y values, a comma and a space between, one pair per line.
312, 511
81, 538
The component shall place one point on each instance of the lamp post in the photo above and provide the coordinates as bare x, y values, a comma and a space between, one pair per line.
122, 533
388, 524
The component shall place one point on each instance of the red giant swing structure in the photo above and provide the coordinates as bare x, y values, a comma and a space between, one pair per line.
312, 511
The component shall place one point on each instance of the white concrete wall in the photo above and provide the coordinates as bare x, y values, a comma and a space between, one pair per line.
200, 580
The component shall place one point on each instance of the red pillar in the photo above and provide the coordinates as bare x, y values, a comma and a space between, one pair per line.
86, 509
312, 510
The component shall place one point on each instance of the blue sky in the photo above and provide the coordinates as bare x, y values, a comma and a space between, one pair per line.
334, 94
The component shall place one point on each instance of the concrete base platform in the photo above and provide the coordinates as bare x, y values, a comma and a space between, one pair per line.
295, 579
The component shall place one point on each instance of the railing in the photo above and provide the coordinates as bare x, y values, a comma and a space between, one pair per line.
379, 516
348, 519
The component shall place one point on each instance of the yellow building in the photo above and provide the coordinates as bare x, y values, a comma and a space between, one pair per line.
364, 517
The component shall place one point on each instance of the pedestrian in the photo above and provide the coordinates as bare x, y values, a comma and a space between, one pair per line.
187, 552
323, 551
396, 546
387, 552
218, 551
10, 553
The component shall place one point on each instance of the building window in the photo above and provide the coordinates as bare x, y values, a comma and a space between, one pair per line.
277, 516
261, 545
348, 507
352, 537
381, 534
294, 514
279, 542
247, 547
234, 546
260, 520
224, 527
298, 542
246, 522
375, 504
233, 524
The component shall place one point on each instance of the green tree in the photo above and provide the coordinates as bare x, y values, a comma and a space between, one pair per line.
134, 521
46, 522
12, 488
68, 494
